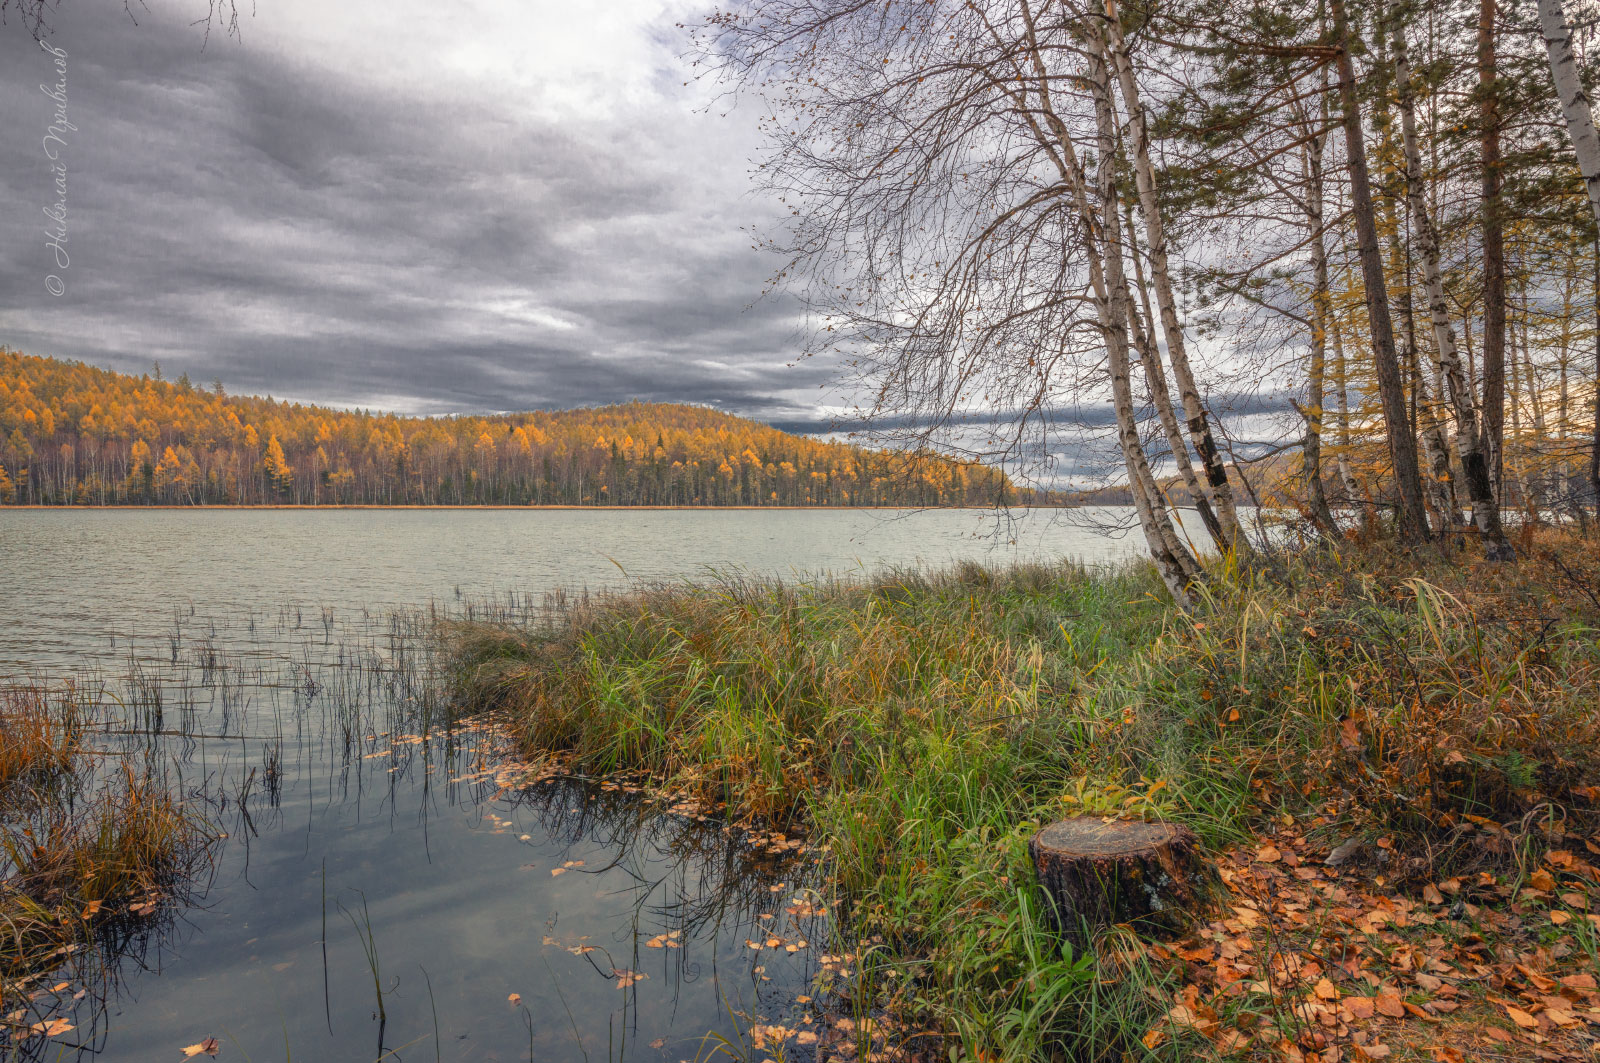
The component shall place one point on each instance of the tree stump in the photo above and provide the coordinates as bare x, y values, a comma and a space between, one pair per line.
1097, 871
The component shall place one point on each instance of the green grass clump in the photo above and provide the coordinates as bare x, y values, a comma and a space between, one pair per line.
923, 724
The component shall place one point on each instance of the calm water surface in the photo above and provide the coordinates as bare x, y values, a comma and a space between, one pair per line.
383, 892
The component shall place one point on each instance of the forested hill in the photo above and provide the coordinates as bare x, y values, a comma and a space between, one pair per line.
71, 433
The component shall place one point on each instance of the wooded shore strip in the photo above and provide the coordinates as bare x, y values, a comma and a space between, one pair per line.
74, 434
485, 506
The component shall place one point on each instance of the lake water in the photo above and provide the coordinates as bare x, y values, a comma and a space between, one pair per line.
388, 889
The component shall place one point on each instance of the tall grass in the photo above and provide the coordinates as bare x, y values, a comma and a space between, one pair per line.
84, 856
39, 741
922, 724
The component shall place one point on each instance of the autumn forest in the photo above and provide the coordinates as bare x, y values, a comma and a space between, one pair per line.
71, 434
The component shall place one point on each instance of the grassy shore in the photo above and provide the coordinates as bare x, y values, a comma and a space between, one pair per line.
87, 858
1432, 713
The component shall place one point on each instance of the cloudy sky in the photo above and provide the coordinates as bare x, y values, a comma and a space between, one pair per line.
403, 205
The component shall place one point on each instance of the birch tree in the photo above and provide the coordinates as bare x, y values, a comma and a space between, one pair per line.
1586, 143
1469, 434
946, 235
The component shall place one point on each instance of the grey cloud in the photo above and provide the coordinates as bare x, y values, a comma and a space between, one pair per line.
287, 227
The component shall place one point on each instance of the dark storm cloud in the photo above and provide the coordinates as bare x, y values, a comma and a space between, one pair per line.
288, 227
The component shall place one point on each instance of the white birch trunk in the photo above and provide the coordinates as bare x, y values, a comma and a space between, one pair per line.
1458, 390
1574, 101
1221, 493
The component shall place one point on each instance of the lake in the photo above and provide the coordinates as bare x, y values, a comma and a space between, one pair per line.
389, 888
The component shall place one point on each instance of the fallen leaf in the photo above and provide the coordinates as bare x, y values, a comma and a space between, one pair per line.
514, 999
627, 978
1542, 880
51, 1027
1326, 990
1268, 854
554, 871
1360, 1007
1521, 1018
1389, 1004
208, 1047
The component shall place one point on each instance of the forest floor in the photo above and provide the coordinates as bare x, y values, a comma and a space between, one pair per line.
1423, 719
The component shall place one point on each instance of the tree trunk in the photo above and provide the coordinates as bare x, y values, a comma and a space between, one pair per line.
1574, 101
1412, 521
1586, 145
1177, 566
1160, 396
1347, 476
1494, 253
1438, 482
1151, 365
1321, 314
1228, 533
1096, 872
1102, 241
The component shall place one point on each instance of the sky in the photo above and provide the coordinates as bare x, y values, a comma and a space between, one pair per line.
396, 205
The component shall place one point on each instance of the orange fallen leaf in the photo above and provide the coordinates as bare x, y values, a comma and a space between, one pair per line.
50, 1027
208, 1047
514, 999
1389, 1004
1521, 1018
554, 871
1359, 1007
1326, 989
1542, 880
1268, 854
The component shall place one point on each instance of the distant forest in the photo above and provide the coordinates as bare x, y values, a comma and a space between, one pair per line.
74, 434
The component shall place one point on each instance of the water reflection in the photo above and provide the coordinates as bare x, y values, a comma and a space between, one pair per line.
392, 884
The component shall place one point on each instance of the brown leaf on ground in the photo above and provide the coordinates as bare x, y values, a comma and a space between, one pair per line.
1521, 1018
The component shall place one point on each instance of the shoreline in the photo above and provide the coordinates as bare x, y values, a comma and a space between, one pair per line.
506, 506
